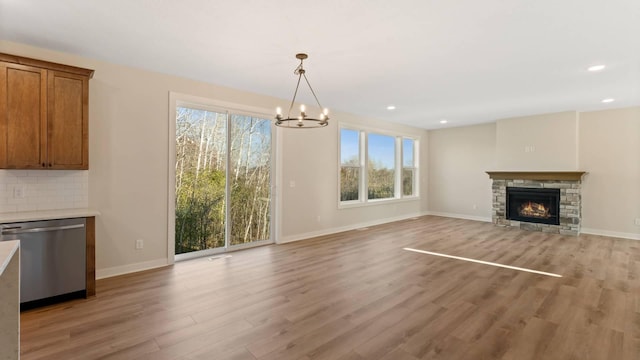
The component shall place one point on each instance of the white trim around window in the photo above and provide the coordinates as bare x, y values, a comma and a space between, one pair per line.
354, 167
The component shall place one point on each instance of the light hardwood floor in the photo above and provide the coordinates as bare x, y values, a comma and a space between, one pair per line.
359, 295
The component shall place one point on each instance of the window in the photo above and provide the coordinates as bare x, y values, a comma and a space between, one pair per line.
381, 150
408, 167
350, 164
376, 167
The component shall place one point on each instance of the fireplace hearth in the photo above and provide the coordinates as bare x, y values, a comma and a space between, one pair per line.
533, 205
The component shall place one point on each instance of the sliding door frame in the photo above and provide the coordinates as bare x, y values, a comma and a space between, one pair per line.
183, 100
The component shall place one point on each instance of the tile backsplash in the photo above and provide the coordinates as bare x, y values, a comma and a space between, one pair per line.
30, 190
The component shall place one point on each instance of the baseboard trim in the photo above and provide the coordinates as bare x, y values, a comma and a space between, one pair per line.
312, 234
616, 234
130, 268
460, 216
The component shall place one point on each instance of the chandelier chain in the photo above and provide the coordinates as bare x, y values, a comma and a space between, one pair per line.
313, 92
295, 93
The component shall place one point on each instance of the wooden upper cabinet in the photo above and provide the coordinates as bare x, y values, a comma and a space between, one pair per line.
24, 109
67, 125
44, 113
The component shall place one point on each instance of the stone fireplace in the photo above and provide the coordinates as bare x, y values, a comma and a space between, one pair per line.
547, 201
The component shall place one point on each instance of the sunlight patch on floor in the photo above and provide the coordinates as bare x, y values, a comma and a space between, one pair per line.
219, 257
483, 262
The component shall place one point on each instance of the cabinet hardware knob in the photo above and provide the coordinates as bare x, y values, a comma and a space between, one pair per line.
43, 165
49, 164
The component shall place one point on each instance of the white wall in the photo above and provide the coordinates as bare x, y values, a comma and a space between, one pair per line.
128, 170
606, 146
458, 159
526, 143
610, 152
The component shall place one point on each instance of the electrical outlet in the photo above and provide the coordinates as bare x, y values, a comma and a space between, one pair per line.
18, 192
139, 244
638, 221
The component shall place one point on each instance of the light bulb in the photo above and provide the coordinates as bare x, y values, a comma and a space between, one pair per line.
278, 110
321, 116
302, 108
325, 111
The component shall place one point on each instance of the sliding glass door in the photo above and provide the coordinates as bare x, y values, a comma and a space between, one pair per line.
223, 181
249, 180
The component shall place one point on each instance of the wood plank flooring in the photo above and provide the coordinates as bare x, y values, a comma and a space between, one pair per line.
358, 295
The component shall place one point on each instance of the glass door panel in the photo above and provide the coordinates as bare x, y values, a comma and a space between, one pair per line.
201, 165
223, 181
249, 180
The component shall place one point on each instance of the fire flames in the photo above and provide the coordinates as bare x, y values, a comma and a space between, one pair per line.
532, 209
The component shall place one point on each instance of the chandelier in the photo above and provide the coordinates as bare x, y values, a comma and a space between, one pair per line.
302, 121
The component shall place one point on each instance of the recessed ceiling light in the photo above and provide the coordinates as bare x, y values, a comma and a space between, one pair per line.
443, 121
596, 68
391, 107
609, 100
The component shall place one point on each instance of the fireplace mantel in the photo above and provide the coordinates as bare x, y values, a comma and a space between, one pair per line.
536, 175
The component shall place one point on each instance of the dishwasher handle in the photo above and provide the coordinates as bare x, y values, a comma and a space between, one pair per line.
19, 230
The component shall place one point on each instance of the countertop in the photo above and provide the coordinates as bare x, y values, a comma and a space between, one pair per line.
46, 215
7, 249
10, 299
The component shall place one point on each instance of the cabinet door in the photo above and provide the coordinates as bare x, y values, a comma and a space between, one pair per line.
22, 117
68, 113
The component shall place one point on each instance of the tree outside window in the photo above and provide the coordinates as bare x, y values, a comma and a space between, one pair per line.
349, 165
375, 166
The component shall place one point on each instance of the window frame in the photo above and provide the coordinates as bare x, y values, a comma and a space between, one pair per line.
414, 168
363, 137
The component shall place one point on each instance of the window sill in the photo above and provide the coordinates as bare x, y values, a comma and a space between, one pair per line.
354, 204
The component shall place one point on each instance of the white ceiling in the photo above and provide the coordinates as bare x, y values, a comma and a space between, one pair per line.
467, 61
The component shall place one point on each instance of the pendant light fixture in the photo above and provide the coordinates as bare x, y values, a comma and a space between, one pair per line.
302, 121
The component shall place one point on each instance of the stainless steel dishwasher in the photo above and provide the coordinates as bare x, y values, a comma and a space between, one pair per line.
53, 259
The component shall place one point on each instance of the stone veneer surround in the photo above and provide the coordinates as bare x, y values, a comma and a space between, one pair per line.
569, 184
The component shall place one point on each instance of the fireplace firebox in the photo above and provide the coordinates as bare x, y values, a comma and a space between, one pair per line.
535, 205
